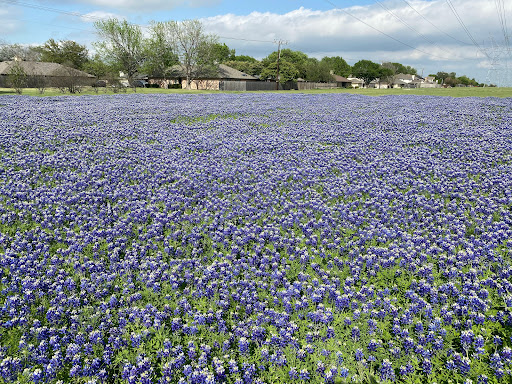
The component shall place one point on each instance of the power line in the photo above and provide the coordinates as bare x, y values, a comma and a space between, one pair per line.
500, 8
454, 11
49, 9
253, 40
409, 26
432, 24
385, 34
77, 14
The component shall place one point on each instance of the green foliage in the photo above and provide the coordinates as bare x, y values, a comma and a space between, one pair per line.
221, 52
249, 67
194, 49
366, 70
287, 71
318, 71
122, 45
67, 52
244, 58
99, 68
397, 68
17, 77
296, 58
386, 74
159, 53
338, 65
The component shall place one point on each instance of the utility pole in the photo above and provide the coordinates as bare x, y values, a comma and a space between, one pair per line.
278, 42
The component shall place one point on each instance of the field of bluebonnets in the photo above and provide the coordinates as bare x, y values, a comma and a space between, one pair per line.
255, 238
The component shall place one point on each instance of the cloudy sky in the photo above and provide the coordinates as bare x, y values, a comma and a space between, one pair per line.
462, 36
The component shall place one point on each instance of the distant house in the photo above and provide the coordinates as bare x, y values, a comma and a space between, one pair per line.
355, 82
213, 81
342, 82
402, 80
52, 74
378, 84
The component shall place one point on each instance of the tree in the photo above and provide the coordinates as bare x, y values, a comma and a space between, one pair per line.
442, 76
287, 71
222, 53
17, 77
249, 67
244, 58
192, 46
399, 68
98, 67
66, 52
160, 56
10, 51
385, 74
366, 70
318, 71
337, 65
297, 58
122, 45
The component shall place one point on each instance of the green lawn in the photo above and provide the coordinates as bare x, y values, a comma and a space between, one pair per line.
453, 92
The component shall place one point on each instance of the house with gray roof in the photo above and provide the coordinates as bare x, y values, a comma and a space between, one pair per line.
211, 80
53, 74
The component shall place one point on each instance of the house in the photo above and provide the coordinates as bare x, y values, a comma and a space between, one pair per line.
215, 80
378, 84
342, 82
49, 74
402, 80
355, 82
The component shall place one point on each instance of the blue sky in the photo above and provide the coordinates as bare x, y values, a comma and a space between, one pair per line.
462, 36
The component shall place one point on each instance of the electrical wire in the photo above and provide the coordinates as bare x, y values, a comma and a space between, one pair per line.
500, 8
409, 26
77, 14
387, 35
435, 26
49, 9
475, 43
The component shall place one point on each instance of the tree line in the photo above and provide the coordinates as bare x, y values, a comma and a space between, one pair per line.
171, 48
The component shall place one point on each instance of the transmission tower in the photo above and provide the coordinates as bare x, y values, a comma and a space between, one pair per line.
499, 72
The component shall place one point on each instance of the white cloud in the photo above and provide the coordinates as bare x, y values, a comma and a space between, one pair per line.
97, 15
371, 32
147, 6
10, 20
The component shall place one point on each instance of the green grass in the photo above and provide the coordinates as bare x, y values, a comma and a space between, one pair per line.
101, 91
452, 92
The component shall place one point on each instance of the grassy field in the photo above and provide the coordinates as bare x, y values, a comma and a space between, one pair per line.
452, 92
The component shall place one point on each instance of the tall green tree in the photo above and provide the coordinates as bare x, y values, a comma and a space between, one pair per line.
338, 65
317, 71
287, 71
385, 74
366, 70
66, 52
99, 68
193, 47
399, 68
297, 58
159, 52
222, 53
122, 45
